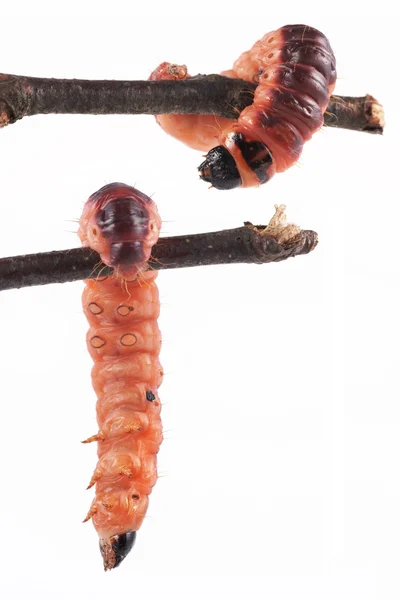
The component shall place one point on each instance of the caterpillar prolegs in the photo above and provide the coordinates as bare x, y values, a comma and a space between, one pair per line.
295, 70
122, 225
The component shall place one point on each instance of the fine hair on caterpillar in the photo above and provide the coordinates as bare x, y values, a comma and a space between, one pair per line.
295, 70
122, 224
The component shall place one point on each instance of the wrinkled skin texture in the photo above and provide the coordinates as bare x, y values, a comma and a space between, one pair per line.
124, 342
296, 73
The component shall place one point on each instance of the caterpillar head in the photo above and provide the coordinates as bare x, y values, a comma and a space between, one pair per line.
121, 224
220, 169
242, 161
115, 548
117, 515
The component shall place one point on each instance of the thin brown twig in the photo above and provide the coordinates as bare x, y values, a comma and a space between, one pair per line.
249, 244
22, 96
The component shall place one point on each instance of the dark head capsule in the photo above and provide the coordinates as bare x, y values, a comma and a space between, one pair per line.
123, 219
116, 548
220, 169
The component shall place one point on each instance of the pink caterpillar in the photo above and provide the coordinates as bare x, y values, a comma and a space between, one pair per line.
295, 69
122, 225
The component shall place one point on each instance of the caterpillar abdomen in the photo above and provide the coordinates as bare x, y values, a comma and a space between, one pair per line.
200, 132
296, 73
124, 341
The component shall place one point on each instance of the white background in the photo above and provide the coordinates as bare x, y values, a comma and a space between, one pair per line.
279, 467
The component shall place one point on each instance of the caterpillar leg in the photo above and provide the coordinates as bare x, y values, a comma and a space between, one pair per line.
93, 438
92, 511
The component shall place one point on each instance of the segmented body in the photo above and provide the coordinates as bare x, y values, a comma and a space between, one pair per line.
295, 70
122, 224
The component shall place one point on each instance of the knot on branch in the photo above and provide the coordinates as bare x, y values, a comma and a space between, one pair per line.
14, 99
374, 115
282, 238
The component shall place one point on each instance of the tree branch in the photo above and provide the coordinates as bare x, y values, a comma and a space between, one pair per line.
360, 114
249, 244
205, 94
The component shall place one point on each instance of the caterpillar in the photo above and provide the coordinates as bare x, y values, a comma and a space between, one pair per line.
295, 70
122, 224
